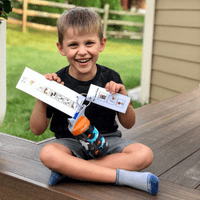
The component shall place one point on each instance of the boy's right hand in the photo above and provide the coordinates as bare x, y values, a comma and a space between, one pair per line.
53, 77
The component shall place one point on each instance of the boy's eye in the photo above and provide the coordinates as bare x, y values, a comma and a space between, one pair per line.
90, 43
73, 45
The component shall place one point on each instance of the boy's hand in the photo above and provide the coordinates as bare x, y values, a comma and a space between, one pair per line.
113, 88
53, 77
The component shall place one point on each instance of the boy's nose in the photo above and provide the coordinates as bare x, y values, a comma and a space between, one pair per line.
82, 51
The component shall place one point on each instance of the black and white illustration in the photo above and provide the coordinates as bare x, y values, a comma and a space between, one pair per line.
54, 94
101, 97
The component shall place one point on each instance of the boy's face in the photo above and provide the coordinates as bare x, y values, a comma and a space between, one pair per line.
82, 52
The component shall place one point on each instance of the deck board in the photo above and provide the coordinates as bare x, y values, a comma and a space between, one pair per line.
175, 151
170, 128
186, 173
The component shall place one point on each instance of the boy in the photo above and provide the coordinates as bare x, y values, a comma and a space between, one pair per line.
80, 39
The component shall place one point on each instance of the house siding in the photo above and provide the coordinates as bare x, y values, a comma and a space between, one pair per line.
176, 48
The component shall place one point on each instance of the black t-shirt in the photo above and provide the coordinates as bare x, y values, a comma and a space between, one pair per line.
100, 117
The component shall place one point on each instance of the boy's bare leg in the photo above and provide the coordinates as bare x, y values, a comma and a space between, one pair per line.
134, 157
60, 159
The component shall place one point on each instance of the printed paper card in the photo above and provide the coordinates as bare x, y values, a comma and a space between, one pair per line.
101, 97
50, 92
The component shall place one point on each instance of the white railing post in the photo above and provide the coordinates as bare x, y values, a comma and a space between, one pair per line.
147, 51
2, 70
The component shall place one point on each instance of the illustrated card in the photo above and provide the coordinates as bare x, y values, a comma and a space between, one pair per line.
101, 97
50, 92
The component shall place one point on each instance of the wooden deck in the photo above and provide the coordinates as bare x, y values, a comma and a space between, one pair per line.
170, 128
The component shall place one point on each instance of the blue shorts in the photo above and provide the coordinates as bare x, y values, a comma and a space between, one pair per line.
115, 141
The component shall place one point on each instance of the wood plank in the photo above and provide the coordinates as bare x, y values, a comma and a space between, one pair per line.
179, 18
177, 67
177, 51
172, 82
19, 146
175, 151
21, 178
198, 188
173, 127
20, 188
161, 94
24, 167
167, 191
177, 34
186, 173
178, 4
168, 127
149, 112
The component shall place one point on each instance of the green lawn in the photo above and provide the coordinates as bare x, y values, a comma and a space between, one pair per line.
37, 50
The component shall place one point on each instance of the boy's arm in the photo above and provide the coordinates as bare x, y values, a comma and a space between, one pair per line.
127, 119
39, 121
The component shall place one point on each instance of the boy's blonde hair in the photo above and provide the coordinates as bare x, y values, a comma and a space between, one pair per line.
81, 19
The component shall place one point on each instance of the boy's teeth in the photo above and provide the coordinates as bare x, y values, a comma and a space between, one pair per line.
83, 61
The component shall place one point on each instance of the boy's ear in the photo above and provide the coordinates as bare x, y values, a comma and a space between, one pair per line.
103, 44
60, 48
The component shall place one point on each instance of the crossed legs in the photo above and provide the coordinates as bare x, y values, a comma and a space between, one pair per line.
59, 158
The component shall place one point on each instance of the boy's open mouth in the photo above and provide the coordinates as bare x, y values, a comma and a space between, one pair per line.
83, 61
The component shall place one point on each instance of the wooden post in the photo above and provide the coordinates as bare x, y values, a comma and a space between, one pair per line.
105, 18
147, 52
25, 7
2, 70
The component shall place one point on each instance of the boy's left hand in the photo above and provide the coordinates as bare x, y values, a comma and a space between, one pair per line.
113, 88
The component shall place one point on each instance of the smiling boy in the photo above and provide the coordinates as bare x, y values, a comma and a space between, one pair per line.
80, 39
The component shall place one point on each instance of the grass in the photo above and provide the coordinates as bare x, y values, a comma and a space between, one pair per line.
37, 50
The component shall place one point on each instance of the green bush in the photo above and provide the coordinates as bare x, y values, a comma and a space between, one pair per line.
86, 3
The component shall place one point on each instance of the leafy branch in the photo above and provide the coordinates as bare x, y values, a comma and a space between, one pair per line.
5, 8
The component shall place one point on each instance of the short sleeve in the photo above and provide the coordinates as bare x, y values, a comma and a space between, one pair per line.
49, 111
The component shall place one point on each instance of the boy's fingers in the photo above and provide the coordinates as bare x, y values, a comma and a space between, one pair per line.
54, 77
48, 76
110, 86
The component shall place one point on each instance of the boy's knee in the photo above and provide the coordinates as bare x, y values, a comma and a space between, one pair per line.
46, 154
145, 156
148, 157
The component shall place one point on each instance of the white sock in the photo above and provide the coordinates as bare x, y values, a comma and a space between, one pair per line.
145, 181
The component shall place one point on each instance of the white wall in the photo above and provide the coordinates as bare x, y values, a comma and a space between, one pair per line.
2, 70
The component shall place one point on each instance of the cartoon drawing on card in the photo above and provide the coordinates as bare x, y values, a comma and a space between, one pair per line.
111, 99
67, 101
40, 88
74, 105
53, 94
60, 98
31, 82
120, 103
47, 91
102, 96
24, 79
